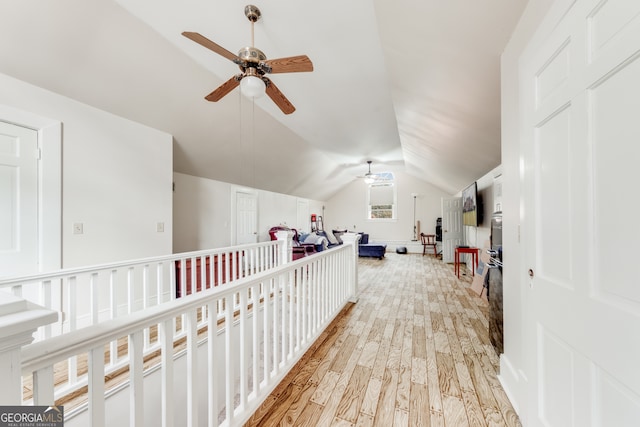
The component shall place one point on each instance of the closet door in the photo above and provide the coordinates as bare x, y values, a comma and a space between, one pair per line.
18, 200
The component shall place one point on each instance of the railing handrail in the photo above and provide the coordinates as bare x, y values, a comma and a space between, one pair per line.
40, 354
58, 274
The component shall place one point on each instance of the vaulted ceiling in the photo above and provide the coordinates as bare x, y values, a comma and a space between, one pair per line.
413, 85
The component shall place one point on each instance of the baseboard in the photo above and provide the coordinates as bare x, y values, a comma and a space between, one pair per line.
413, 247
510, 381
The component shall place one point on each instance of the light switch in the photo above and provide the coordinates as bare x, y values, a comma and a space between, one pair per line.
160, 227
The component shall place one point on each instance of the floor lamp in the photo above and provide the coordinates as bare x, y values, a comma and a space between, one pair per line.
415, 228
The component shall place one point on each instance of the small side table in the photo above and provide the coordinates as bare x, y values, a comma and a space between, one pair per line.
474, 259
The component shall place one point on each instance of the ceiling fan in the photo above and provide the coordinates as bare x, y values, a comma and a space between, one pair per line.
254, 65
369, 177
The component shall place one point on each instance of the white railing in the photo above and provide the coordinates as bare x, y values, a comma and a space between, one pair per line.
220, 351
91, 295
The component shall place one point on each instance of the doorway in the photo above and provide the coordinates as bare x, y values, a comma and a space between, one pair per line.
18, 200
451, 227
246, 217
39, 234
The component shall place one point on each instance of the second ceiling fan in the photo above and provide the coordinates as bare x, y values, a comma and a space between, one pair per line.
254, 65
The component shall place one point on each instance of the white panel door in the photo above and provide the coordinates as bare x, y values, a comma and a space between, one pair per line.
451, 227
581, 91
18, 200
246, 218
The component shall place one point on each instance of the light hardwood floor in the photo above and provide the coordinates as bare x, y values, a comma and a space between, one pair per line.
413, 351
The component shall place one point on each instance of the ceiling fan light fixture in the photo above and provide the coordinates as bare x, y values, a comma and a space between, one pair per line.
369, 178
252, 87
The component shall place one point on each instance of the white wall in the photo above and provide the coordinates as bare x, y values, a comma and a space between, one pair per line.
347, 209
116, 178
478, 236
202, 213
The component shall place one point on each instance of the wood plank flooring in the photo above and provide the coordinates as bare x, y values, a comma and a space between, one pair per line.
413, 351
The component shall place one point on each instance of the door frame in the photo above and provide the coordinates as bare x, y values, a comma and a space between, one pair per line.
234, 212
448, 242
49, 183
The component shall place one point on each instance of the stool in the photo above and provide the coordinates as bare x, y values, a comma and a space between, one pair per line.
474, 259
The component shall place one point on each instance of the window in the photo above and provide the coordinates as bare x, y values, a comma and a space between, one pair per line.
381, 201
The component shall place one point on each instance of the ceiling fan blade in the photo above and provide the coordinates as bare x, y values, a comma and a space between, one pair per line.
224, 89
278, 97
291, 64
202, 40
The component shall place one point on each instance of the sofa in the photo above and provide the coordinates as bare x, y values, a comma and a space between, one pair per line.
320, 242
366, 249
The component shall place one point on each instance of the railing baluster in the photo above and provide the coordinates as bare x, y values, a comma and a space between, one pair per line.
258, 259
183, 277
275, 324
298, 306
17, 290
113, 305
227, 267
71, 310
212, 346
173, 280
130, 290
255, 351
145, 286
94, 297
229, 359
321, 283
159, 283
166, 352
145, 299
45, 301
96, 387
290, 296
243, 348
72, 362
136, 387
305, 304
43, 388
193, 277
192, 368
234, 266
266, 311
212, 271
313, 299
203, 273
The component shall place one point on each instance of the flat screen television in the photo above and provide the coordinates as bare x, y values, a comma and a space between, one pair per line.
470, 205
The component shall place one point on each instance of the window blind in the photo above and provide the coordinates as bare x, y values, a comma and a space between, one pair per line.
381, 194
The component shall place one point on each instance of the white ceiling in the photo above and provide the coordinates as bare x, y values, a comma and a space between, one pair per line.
413, 85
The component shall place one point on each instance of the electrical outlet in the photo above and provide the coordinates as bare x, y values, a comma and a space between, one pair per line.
160, 227
78, 228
